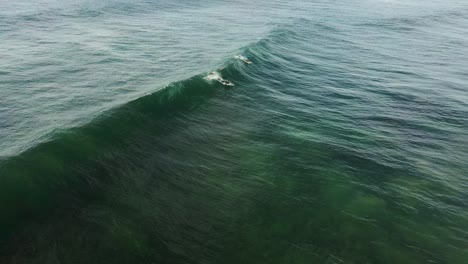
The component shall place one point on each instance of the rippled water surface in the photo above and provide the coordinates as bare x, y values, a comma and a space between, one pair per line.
345, 141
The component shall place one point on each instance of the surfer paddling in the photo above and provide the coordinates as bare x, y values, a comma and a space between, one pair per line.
215, 76
224, 82
244, 59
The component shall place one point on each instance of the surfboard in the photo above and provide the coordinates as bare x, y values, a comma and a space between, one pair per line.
225, 82
217, 77
244, 59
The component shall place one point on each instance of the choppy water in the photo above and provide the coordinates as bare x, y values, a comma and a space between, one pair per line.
346, 140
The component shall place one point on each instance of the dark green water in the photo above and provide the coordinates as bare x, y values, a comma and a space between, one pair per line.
345, 141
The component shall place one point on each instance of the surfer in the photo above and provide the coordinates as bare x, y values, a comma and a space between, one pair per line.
215, 76
247, 61
227, 83
224, 82
244, 59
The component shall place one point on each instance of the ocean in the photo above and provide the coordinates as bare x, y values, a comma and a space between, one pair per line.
345, 140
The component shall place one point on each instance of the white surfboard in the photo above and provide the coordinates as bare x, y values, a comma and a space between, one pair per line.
217, 77
225, 82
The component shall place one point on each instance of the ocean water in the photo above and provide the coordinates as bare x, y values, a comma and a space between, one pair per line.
345, 141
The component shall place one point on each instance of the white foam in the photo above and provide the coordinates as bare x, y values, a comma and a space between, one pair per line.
213, 76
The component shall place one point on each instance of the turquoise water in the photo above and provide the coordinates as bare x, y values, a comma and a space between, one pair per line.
345, 141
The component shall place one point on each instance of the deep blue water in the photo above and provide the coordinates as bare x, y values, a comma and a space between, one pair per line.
345, 141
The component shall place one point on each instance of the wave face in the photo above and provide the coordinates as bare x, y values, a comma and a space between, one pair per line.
344, 141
